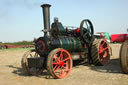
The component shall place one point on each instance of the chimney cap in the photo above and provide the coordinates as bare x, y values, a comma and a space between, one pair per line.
44, 5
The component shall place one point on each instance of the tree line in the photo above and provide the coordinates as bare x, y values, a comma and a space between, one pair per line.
19, 43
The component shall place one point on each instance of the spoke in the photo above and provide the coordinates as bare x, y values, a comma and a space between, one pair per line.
102, 44
66, 59
35, 54
89, 29
61, 56
31, 55
103, 57
63, 67
55, 67
61, 71
55, 63
85, 35
103, 50
56, 59
105, 54
86, 24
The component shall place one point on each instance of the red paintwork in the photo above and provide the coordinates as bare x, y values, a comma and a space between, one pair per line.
62, 64
13, 46
43, 43
77, 30
23, 46
101, 34
104, 52
118, 37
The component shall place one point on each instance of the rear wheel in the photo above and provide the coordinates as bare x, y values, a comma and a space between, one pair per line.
100, 52
59, 63
124, 57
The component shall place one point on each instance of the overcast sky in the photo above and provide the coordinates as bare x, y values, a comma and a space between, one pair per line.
23, 20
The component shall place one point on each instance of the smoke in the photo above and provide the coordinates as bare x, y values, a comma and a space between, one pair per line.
31, 4
21, 3
8, 6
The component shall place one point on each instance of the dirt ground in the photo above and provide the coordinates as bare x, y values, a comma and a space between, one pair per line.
11, 72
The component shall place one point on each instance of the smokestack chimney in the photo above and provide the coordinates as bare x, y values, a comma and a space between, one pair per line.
46, 17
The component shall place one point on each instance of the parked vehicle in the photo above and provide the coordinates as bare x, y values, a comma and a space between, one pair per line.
118, 38
14, 46
102, 35
3, 47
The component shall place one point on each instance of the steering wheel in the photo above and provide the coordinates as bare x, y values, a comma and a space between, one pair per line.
86, 30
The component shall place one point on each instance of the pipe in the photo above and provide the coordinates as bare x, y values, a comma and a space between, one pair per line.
46, 18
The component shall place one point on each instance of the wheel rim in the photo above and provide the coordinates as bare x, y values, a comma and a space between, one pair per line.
61, 63
86, 30
27, 69
104, 55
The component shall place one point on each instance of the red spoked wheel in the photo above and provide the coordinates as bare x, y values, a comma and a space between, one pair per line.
104, 52
25, 65
59, 63
100, 52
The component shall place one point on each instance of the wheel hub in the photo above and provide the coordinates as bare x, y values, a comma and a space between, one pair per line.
61, 63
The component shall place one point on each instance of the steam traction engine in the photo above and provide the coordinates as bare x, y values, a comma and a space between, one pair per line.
60, 46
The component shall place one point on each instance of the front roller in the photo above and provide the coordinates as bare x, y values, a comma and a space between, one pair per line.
124, 57
27, 66
100, 52
59, 63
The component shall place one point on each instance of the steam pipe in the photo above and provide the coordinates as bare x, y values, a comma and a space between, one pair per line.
46, 18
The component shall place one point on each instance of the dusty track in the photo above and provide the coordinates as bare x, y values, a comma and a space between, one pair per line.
11, 72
